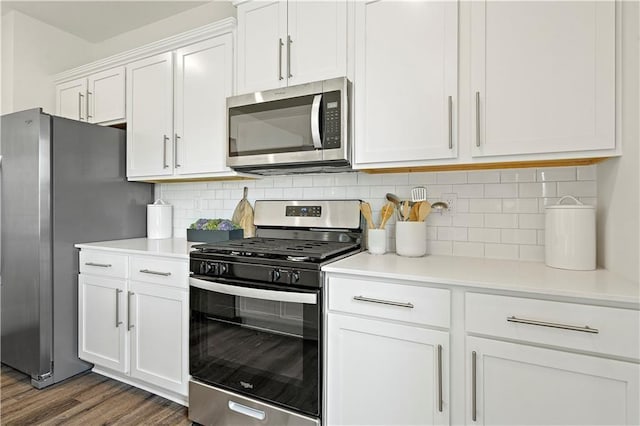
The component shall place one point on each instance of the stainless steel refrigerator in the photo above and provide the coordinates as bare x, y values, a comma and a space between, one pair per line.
62, 182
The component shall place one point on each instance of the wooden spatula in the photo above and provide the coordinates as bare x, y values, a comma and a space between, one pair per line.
413, 215
423, 210
385, 213
365, 208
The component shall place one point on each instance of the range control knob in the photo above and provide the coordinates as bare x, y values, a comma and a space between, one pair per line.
202, 268
223, 268
274, 275
294, 277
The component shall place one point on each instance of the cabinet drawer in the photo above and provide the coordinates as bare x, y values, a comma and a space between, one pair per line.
583, 327
159, 271
103, 263
422, 305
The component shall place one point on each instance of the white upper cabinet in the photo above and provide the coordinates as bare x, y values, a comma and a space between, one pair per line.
284, 43
98, 98
150, 116
203, 81
542, 77
106, 96
406, 74
71, 99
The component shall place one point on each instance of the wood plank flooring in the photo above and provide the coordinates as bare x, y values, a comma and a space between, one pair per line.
86, 399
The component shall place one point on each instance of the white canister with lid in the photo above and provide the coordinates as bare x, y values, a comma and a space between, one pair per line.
159, 220
570, 235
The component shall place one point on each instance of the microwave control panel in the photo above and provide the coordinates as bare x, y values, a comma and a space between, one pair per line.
331, 110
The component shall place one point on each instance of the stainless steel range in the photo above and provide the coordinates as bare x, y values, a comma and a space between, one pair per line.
255, 353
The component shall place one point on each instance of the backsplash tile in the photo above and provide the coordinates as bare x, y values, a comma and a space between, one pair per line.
498, 213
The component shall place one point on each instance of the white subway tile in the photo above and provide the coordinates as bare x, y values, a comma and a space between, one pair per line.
517, 175
346, 179
543, 202
323, 180
440, 247
403, 191
474, 190
395, 179
518, 236
500, 190
556, 174
422, 178
483, 176
213, 204
532, 253
335, 192
531, 190
283, 181
468, 249
380, 191
486, 205
432, 232
257, 193
462, 206
587, 172
182, 204
217, 185
209, 194
520, 205
236, 194
451, 177
484, 235
446, 233
501, 251
311, 193
273, 193
230, 204
475, 220
434, 192
369, 179
590, 201
437, 219
586, 188
180, 195
264, 183
221, 194
357, 192
293, 193
500, 220
302, 181
231, 185
531, 221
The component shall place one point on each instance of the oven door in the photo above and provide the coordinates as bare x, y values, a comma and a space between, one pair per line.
258, 342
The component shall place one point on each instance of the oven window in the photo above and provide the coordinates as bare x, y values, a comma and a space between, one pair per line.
271, 127
262, 348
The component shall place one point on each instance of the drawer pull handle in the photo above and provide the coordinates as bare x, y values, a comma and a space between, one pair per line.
118, 322
101, 265
474, 408
585, 329
129, 325
383, 302
148, 271
440, 378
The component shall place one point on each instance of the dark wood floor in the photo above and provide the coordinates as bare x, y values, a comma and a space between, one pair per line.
87, 399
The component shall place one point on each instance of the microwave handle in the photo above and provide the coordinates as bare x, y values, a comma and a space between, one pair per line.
315, 122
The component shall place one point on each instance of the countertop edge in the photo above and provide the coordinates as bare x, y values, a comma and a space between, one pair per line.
104, 246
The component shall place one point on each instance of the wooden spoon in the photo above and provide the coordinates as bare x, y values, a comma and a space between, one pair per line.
413, 216
423, 211
365, 208
385, 214
405, 210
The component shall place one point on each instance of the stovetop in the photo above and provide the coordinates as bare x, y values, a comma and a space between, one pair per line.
278, 248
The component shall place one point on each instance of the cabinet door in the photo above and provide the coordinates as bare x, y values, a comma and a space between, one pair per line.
106, 96
380, 373
262, 33
520, 384
150, 116
316, 42
159, 335
71, 99
204, 79
406, 72
542, 76
102, 317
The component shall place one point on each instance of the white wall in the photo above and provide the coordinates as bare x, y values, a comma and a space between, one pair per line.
618, 178
32, 52
175, 24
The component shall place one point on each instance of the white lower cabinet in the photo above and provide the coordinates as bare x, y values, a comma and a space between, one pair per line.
382, 373
134, 327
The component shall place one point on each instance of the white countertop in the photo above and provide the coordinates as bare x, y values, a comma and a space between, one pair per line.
169, 247
507, 275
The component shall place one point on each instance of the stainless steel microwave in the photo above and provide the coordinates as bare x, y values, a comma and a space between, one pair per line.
302, 128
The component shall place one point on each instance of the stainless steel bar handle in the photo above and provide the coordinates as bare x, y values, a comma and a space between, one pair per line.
289, 41
89, 105
280, 44
440, 378
80, 96
118, 322
478, 119
450, 122
585, 329
101, 265
473, 386
129, 325
148, 271
164, 151
247, 411
175, 151
383, 302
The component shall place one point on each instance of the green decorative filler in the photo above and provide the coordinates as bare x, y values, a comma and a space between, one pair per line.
214, 230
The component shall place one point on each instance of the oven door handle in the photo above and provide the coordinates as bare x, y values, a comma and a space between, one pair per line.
316, 138
255, 293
